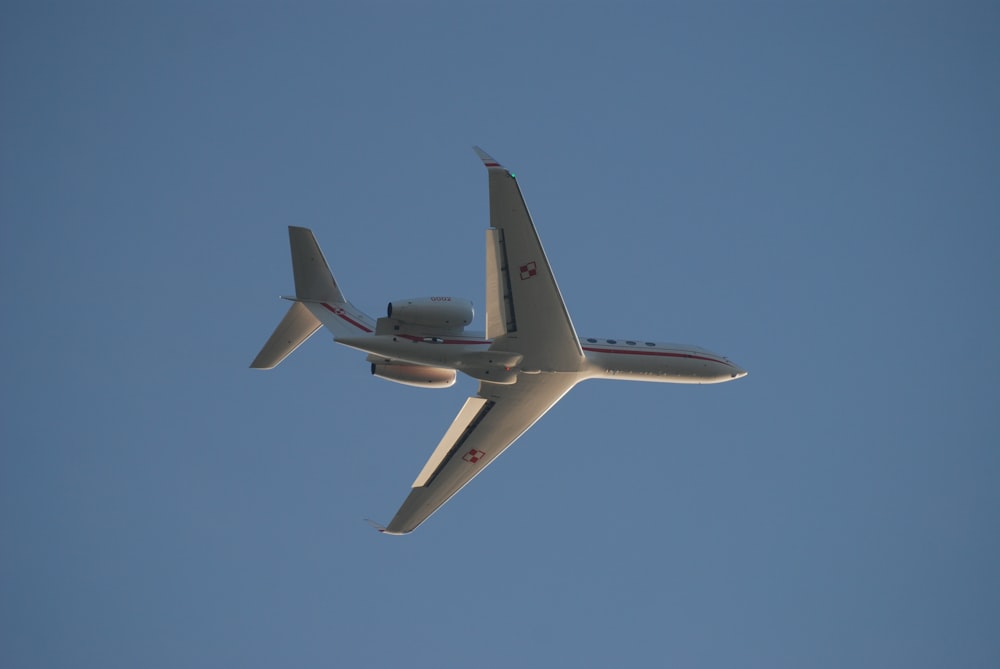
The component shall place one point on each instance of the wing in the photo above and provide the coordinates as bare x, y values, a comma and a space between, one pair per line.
484, 428
525, 312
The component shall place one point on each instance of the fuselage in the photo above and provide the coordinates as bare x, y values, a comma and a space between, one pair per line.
622, 359
641, 360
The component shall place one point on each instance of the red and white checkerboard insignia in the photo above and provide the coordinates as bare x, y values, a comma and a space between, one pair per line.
528, 271
474, 456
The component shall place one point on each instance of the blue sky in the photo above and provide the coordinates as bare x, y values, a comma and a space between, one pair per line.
812, 189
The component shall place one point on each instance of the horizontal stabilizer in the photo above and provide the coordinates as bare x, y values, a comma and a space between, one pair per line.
298, 325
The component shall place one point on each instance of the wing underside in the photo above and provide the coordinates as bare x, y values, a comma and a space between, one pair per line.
526, 318
525, 310
486, 425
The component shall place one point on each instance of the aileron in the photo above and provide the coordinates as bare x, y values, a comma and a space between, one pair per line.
498, 422
500, 318
543, 330
466, 420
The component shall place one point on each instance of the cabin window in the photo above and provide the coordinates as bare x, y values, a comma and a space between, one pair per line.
630, 343
611, 341
592, 341
649, 343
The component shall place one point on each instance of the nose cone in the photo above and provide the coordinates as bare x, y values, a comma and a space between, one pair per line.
738, 373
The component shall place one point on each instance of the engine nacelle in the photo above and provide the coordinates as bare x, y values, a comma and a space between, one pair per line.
448, 313
418, 376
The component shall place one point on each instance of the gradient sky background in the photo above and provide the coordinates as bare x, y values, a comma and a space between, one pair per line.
812, 189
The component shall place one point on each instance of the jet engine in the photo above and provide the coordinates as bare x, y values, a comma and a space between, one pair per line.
418, 376
447, 313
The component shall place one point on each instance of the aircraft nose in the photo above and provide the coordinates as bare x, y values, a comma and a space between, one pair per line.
739, 373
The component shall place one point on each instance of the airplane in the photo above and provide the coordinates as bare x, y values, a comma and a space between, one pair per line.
528, 358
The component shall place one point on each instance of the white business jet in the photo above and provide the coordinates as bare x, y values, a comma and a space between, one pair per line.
528, 358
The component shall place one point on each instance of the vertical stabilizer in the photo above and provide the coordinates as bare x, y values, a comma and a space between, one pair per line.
313, 279
318, 301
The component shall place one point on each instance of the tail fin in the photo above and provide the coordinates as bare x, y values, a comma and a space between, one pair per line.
314, 281
318, 300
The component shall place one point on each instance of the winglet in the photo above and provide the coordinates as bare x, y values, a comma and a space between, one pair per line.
378, 527
487, 159
382, 529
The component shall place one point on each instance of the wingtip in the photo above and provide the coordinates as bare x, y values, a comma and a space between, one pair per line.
382, 529
487, 159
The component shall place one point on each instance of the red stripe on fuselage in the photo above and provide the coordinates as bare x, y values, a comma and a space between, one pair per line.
347, 318
664, 354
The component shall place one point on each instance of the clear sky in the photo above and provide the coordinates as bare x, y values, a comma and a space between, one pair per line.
812, 189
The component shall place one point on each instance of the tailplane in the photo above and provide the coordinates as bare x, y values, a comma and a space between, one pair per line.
298, 325
318, 301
